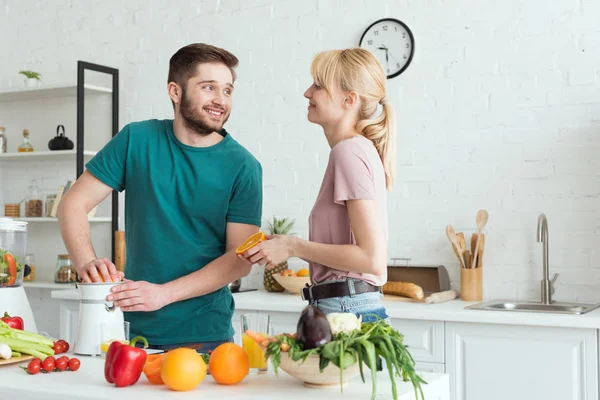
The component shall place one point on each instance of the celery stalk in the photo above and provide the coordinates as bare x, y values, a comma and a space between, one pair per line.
18, 334
15, 354
26, 347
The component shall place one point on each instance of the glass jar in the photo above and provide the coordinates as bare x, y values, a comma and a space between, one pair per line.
30, 262
33, 205
13, 242
26, 146
2, 140
50, 199
65, 271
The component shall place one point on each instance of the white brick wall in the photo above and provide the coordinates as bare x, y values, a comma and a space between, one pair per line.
499, 110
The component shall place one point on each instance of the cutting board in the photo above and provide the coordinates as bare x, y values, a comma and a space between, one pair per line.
15, 360
400, 298
445, 296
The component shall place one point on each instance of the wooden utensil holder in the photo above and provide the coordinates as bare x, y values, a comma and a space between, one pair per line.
471, 284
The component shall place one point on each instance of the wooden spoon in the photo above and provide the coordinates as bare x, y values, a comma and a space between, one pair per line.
452, 237
474, 237
480, 220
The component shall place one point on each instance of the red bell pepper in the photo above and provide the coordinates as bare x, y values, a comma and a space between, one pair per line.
12, 268
13, 322
124, 362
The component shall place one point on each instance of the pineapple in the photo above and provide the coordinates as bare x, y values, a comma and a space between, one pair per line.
277, 227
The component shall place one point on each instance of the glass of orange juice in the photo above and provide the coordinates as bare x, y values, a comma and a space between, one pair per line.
107, 335
253, 326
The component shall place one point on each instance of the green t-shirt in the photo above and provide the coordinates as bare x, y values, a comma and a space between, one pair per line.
179, 200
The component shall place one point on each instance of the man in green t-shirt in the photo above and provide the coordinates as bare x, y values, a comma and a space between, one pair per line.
193, 195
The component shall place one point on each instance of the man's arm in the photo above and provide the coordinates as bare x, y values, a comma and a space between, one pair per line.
145, 296
218, 273
86, 193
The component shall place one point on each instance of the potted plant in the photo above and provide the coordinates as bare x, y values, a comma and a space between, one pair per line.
32, 78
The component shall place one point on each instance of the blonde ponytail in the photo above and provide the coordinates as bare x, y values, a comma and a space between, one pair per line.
360, 71
382, 132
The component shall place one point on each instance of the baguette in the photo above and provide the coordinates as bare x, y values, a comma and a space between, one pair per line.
405, 289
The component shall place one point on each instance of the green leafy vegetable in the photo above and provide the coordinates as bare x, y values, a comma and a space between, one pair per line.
374, 343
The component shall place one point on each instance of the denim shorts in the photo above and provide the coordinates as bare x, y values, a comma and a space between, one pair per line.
369, 305
199, 347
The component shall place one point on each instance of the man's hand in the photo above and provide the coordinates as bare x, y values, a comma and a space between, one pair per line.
139, 296
102, 270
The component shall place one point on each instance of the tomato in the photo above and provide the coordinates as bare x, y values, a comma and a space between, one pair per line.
58, 347
65, 345
74, 364
63, 358
61, 364
33, 367
49, 364
35, 361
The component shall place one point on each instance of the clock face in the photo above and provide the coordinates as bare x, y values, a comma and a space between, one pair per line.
393, 44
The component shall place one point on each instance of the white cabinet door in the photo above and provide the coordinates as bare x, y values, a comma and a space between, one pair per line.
499, 362
69, 320
429, 367
425, 339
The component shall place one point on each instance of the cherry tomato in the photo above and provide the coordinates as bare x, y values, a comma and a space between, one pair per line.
74, 364
58, 347
63, 358
65, 345
34, 367
49, 364
61, 364
35, 361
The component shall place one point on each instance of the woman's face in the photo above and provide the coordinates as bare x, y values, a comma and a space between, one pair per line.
324, 108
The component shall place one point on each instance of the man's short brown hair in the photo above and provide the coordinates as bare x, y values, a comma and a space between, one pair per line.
182, 65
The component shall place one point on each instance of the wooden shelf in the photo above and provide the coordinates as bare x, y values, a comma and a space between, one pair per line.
48, 285
45, 155
50, 92
50, 219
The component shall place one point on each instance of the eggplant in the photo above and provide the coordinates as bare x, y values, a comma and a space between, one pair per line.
313, 329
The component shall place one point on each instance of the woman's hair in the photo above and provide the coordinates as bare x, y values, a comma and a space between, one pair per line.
359, 71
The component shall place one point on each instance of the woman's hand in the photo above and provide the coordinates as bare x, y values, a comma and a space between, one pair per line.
271, 252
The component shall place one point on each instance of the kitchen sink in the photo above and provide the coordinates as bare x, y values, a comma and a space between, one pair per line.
531, 306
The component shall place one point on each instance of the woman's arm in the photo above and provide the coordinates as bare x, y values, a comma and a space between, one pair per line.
368, 255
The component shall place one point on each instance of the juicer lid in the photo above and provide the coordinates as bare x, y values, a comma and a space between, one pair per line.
10, 225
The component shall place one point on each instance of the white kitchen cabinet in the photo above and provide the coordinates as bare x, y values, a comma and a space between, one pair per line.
425, 339
69, 319
499, 362
429, 367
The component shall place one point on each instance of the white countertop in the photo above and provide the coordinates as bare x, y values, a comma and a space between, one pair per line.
449, 311
89, 383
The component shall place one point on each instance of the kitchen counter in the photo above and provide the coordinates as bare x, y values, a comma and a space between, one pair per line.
88, 383
449, 311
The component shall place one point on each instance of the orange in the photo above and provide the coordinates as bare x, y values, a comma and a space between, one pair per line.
182, 369
303, 272
229, 364
250, 242
152, 368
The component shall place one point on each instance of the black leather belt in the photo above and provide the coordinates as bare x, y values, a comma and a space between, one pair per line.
338, 289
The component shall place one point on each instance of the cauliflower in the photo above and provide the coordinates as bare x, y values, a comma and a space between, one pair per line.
343, 322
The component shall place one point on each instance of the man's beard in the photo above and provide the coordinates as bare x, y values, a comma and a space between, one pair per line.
195, 121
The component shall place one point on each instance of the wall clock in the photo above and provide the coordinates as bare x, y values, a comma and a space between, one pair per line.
393, 44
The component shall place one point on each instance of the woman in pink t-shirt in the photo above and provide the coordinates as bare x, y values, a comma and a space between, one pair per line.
347, 243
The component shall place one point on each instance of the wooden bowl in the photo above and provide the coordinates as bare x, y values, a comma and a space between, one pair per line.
308, 372
293, 284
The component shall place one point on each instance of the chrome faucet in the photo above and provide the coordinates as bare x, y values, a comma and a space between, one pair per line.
547, 285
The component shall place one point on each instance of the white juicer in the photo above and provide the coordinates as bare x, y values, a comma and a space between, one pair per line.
99, 319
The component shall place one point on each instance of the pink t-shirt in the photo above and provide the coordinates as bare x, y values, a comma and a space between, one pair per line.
354, 172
